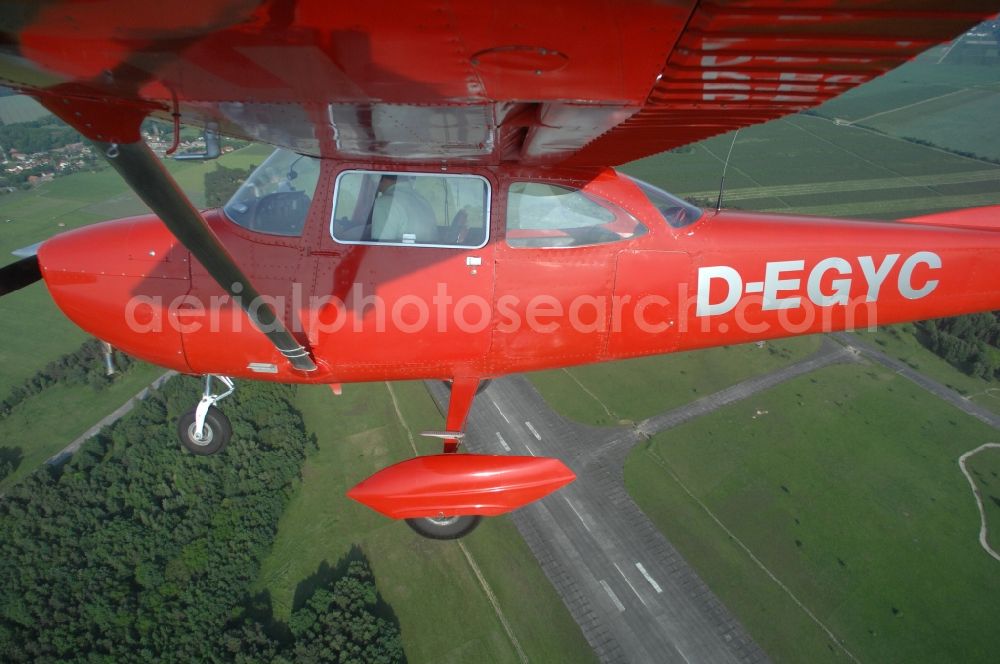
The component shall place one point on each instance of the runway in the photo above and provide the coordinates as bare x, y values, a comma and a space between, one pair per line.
633, 595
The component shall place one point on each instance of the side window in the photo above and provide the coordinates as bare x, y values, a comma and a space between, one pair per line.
675, 211
275, 199
548, 215
427, 210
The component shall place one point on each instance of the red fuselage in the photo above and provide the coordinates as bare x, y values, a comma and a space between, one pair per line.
368, 312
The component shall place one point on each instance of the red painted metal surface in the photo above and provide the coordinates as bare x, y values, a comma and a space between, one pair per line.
589, 81
460, 484
513, 91
728, 278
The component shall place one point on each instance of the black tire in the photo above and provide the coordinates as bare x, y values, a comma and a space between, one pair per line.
483, 384
444, 528
217, 431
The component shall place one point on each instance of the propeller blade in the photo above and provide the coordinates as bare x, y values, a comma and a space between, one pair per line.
20, 274
30, 250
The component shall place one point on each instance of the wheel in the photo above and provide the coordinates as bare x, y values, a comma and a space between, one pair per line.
483, 384
445, 527
216, 432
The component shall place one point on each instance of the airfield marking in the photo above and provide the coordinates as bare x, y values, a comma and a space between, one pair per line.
533, 430
757, 561
611, 593
501, 412
399, 415
496, 606
649, 577
680, 652
578, 515
630, 585
503, 443
983, 532
916, 103
592, 395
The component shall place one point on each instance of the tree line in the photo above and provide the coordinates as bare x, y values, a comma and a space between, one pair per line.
137, 551
969, 343
40, 135
84, 366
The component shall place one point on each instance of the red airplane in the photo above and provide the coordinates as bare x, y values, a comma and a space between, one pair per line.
441, 203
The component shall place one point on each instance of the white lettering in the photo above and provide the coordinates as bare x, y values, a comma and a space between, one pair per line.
841, 287
906, 288
876, 277
733, 282
773, 284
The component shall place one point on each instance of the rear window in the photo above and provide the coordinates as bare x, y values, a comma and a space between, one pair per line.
549, 215
675, 211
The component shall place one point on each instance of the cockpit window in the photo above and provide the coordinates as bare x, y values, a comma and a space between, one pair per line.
676, 212
276, 197
549, 215
411, 209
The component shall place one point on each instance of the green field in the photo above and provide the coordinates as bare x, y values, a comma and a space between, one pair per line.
34, 331
632, 390
941, 102
985, 470
900, 342
813, 165
443, 610
45, 423
847, 489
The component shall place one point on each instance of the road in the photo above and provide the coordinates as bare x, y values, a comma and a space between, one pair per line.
66, 452
633, 595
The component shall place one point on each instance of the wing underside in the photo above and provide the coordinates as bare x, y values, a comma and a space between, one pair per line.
582, 83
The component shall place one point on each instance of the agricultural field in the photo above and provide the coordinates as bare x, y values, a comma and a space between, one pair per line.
424, 581
931, 99
831, 516
820, 164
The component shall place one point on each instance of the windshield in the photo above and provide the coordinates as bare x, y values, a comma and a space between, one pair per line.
276, 197
676, 211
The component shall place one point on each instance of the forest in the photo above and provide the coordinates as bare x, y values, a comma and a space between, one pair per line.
970, 343
37, 136
137, 551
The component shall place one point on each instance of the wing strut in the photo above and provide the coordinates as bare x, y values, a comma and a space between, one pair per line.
140, 168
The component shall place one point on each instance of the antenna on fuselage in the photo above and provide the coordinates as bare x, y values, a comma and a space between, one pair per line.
722, 185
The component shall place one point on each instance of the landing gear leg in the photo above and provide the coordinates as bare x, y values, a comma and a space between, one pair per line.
205, 429
445, 527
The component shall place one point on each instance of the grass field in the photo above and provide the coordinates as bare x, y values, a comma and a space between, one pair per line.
900, 341
985, 470
813, 165
444, 612
44, 424
848, 491
33, 329
632, 390
942, 103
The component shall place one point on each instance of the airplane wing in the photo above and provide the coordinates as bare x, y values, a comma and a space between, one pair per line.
587, 82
